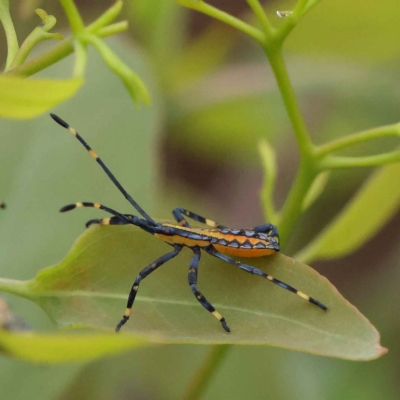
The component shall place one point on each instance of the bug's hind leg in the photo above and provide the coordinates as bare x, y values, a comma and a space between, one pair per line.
179, 213
109, 221
256, 271
192, 279
142, 274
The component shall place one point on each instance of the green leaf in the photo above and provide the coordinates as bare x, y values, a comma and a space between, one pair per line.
62, 347
230, 128
160, 25
201, 56
90, 287
27, 98
370, 209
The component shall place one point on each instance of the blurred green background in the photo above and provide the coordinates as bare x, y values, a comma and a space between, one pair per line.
213, 98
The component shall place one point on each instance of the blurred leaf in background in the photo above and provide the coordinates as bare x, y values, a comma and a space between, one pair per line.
349, 30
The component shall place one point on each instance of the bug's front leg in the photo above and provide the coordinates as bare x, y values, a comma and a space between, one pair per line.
142, 274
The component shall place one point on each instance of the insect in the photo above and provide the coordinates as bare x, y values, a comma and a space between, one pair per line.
217, 240
2, 205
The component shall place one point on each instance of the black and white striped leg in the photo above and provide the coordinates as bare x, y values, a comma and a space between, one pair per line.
142, 274
270, 229
82, 204
179, 213
256, 271
192, 279
130, 219
109, 221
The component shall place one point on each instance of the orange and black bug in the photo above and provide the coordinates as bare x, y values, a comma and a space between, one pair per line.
218, 241
2, 205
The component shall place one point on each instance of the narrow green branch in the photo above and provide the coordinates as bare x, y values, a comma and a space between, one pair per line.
203, 376
291, 21
316, 189
293, 206
284, 31
300, 6
262, 17
107, 17
80, 59
214, 12
268, 159
308, 5
112, 29
39, 34
74, 18
292, 108
352, 162
64, 49
11, 35
359, 137
20, 288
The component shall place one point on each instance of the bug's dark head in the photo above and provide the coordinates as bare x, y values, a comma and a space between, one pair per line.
271, 232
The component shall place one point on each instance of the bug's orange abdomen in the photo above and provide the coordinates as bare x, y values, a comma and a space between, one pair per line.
243, 252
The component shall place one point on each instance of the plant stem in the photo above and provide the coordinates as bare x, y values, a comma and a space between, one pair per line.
293, 206
38, 35
11, 35
285, 87
268, 159
225, 17
113, 29
359, 137
62, 50
351, 162
203, 376
80, 59
107, 17
74, 18
20, 288
261, 16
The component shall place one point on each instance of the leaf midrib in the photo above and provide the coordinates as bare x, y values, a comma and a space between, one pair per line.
82, 293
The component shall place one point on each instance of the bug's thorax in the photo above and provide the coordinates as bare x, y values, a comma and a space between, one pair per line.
239, 242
